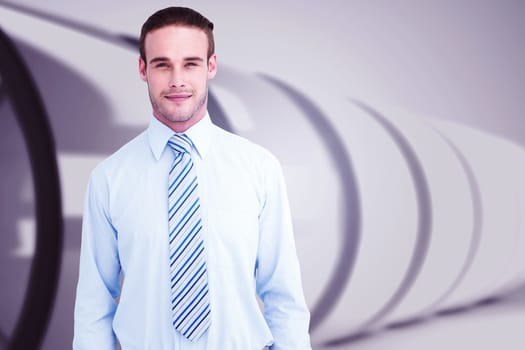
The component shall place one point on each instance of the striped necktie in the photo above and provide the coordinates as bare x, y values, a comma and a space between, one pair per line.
188, 275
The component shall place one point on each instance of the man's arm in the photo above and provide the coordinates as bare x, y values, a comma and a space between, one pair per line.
278, 276
98, 283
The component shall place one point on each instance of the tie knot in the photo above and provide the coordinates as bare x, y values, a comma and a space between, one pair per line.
180, 143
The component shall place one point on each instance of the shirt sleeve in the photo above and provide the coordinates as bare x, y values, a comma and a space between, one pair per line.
278, 278
99, 272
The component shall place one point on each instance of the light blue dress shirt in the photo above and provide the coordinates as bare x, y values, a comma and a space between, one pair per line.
123, 291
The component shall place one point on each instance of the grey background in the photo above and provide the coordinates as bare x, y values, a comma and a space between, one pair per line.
458, 61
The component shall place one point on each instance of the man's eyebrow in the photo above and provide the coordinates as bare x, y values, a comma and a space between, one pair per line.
194, 58
158, 59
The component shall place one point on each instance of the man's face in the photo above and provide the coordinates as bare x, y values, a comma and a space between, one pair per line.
177, 74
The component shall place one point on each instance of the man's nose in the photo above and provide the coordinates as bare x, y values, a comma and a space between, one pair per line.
176, 78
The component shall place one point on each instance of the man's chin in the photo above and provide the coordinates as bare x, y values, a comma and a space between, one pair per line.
176, 118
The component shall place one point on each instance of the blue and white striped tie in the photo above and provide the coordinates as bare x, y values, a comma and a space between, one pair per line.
188, 275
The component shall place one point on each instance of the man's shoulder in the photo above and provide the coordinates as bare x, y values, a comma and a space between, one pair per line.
238, 144
241, 150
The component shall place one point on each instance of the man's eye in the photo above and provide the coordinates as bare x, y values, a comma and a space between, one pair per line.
161, 65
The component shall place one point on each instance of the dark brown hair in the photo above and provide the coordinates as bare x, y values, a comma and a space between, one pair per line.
177, 16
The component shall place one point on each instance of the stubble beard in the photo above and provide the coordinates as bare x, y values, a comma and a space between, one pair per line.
177, 118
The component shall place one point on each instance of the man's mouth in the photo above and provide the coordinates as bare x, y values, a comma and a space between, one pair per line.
178, 97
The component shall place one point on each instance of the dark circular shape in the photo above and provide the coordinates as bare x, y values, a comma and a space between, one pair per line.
29, 109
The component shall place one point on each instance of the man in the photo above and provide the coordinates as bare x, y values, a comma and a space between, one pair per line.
186, 223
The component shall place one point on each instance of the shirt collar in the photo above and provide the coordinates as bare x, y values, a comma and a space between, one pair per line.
199, 133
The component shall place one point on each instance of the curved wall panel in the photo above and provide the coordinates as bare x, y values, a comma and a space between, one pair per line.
493, 161
452, 218
389, 224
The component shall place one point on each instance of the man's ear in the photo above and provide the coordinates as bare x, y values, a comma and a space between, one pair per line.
142, 69
212, 66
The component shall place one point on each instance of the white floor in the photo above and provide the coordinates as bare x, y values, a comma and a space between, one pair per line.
499, 325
